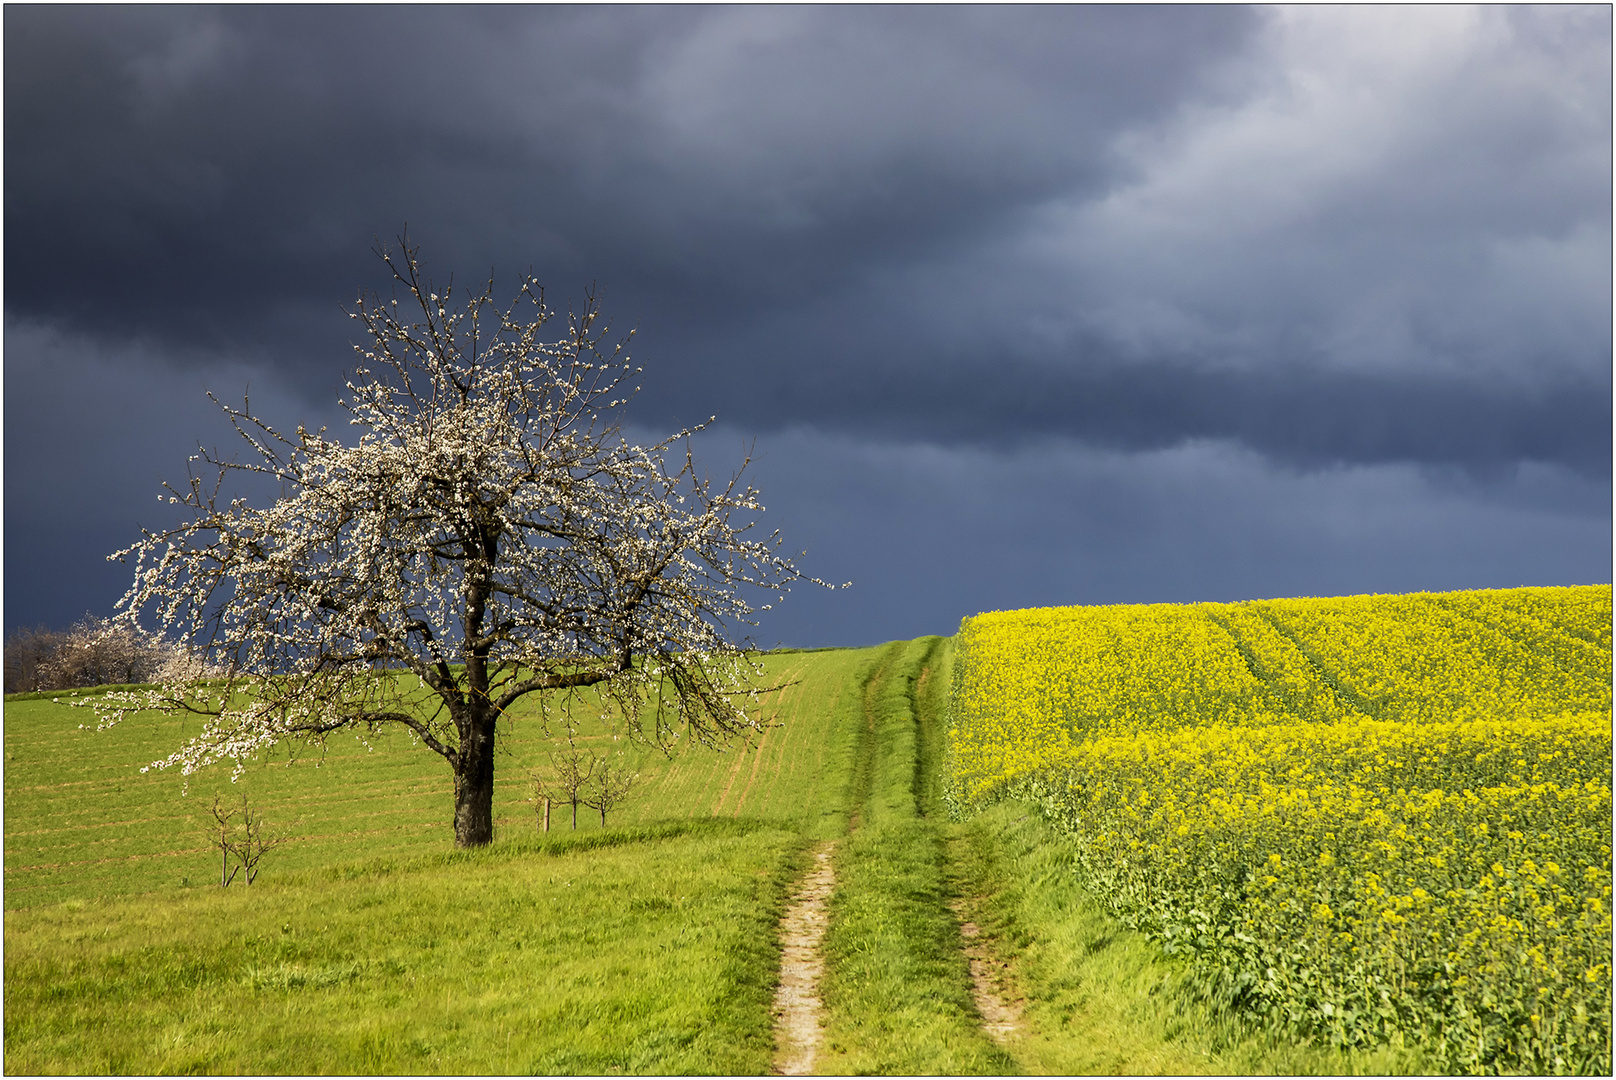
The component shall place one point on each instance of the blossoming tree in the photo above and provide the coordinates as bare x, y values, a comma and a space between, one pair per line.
489, 535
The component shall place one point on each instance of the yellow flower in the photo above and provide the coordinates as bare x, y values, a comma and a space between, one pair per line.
1429, 773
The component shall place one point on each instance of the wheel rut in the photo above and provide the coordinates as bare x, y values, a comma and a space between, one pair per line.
1001, 1015
798, 1009
796, 1003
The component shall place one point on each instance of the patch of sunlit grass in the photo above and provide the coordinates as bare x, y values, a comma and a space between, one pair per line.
645, 950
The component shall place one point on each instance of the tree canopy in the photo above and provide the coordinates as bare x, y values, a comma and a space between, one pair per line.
489, 533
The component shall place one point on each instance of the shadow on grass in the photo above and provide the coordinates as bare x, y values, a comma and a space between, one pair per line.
543, 846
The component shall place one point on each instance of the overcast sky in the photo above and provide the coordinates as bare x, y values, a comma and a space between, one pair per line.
1021, 306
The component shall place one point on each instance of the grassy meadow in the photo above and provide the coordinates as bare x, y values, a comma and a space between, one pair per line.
370, 945
646, 951
82, 820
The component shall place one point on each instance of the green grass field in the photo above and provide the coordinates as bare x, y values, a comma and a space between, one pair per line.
83, 821
651, 952
370, 945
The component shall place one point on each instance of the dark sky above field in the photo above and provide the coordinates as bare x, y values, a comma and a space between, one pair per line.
1022, 306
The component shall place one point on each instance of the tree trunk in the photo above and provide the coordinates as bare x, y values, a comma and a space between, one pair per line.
474, 782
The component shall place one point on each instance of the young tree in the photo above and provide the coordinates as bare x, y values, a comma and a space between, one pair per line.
246, 841
612, 785
488, 535
573, 768
222, 834
251, 843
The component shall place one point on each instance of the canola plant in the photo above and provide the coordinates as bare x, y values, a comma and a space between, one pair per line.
1372, 818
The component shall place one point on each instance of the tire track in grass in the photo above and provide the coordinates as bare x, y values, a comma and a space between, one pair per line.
1001, 1017
797, 1007
897, 989
798, 1010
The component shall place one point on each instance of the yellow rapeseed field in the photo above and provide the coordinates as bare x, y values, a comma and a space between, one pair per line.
1373, 818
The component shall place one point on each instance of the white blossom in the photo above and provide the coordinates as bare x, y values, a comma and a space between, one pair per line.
486, 537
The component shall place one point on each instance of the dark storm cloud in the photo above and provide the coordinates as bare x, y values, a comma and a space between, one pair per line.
1188, 294
1305, 418
786, 195
199, 175
931, 533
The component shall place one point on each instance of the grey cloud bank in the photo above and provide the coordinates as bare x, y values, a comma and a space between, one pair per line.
1023, 305
1060, 523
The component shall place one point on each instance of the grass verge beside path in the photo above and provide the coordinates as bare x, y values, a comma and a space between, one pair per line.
1101, 999
897, 990
648, 951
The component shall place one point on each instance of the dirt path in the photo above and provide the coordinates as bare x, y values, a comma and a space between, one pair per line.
796, 1003
1001, 1017
797, 1006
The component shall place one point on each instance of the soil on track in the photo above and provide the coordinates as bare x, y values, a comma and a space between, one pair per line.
796, 1002
797, 1006
1001, 1016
